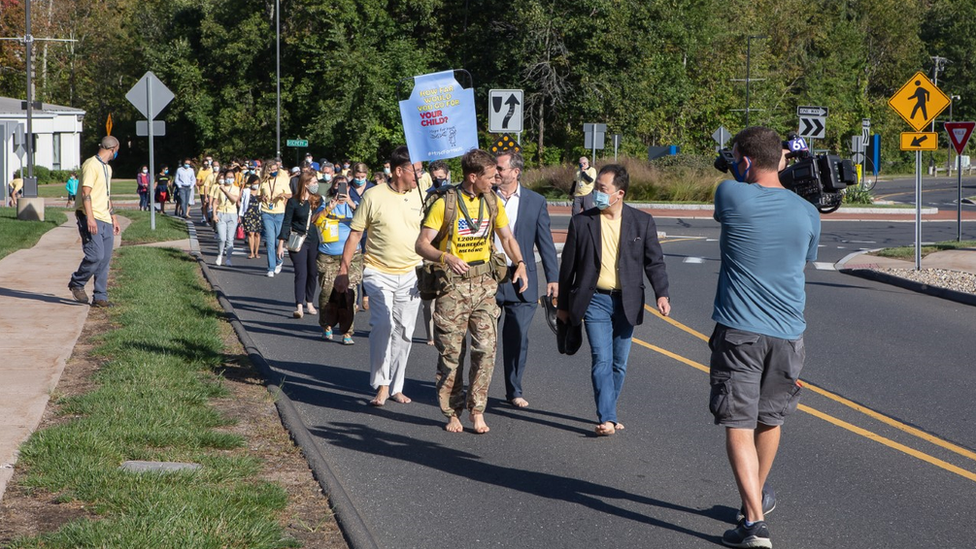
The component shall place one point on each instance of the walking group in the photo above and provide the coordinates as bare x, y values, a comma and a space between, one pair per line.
466, 252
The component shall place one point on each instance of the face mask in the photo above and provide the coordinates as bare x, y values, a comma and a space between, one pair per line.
358, 182
740, 175
165, 172
274, 173
186, 165
439, 182
145, 170
229, 181
255, 187
115, 155
328, 177
313, 188
387, 171
345, 166
216, 168
601, 200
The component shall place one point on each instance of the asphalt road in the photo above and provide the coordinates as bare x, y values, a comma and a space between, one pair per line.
880, 455
941, 192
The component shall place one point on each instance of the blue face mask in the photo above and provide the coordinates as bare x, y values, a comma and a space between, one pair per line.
274, 173
186, 165
601, 200
165, 172
740, 174
358, 182
115, 155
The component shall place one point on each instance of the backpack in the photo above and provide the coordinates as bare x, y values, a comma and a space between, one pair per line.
451, 212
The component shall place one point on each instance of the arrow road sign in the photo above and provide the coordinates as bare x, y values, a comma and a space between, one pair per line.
721, 136
812, 127
146, 86
924, 141
505, 111
959, 133
820, 112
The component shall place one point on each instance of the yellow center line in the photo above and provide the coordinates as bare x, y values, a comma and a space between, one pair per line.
839, 399
835, 421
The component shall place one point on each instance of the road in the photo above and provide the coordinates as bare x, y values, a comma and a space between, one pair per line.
880, 455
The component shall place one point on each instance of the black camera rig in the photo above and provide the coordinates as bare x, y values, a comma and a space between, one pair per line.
820, 179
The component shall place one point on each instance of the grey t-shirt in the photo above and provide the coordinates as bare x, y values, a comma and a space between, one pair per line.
768, 236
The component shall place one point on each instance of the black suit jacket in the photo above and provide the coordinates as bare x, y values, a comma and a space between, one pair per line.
639, 254
531, 230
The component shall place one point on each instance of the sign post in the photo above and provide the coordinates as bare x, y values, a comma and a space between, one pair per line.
959, 134
593, 135
150, 96
919, 101
721, 136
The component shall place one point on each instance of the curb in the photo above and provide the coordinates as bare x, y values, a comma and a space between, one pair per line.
885, 278
351, 522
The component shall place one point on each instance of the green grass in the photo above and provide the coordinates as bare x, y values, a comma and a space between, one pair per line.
121, 188
151, 403
908, 252
139, 232
17, 235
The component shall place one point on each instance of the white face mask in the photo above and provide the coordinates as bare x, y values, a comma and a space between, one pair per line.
255, 187
145, 170
229, 181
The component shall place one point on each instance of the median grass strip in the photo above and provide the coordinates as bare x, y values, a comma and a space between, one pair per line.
140, 230
17, 235
908, 252
151, 401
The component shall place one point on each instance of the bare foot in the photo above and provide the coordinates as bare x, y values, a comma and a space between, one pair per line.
618, 426
381, 396
519, 402
480, 427
605, 429
401, 398
454, 425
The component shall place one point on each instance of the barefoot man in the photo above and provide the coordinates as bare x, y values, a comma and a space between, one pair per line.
468, 217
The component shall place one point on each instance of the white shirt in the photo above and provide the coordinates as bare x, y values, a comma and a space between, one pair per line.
185, 177
511, 210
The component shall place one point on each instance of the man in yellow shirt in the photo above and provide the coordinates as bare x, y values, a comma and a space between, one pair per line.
275, 192
469, 304
582, 192
390, 215
16, 189
97, 224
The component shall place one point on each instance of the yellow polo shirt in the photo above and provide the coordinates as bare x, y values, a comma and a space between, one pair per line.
96, 175
470, 242
222, 204
610, 239
392, 224
278, 190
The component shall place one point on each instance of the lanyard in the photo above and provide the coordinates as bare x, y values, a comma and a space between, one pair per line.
108, 180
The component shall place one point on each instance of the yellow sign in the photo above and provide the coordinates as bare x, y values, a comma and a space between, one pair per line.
925, 141
108, 125
919, 101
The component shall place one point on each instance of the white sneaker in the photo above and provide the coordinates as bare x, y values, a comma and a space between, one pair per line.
270, 274
220, 260
278, 268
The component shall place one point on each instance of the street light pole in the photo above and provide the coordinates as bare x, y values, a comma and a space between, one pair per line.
278, 75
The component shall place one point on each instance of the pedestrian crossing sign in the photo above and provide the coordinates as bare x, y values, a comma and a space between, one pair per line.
919, 101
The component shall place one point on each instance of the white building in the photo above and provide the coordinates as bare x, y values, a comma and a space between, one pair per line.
57, 136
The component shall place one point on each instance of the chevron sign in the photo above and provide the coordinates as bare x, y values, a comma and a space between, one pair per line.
813, 127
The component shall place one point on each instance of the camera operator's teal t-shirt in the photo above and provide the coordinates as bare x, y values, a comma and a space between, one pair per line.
768, 236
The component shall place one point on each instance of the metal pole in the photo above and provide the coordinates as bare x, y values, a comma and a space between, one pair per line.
918, 210
959, 198
152, 186
748, 60
29, 138
278, 74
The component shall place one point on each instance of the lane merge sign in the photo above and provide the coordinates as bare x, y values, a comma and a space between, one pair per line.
959, 133
919, 101
923, 141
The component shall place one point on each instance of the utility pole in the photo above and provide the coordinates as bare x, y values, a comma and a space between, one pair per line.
938, 65
278, 75
748, 79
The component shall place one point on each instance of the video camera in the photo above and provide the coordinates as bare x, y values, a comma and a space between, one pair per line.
820, 179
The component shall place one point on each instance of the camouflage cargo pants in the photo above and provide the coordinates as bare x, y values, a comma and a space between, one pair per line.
469, 306
328, 266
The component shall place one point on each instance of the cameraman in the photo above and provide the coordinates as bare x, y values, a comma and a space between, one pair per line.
768, 235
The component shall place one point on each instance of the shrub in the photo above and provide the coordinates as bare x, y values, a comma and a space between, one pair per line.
46, 176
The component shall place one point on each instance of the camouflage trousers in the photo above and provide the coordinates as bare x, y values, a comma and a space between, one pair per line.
328, 266
468, 307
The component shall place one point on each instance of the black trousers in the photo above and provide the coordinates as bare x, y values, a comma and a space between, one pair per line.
306, 273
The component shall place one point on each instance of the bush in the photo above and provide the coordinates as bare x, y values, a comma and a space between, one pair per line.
46, 176
670, 179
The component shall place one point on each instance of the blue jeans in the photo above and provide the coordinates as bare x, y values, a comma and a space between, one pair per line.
272, 226
98, 256
610, 335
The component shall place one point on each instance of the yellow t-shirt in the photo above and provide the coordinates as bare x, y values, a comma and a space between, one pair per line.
584, 187
16, 185
610, 238
278, 190
425, 182
468, 242
222, 204
202, 176
209, 183
392, 224
98, 176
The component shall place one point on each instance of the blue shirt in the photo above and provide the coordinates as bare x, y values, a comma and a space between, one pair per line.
768, 235
344, 214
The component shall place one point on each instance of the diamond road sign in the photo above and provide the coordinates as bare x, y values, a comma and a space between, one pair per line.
297, 143
919, 101
149, 87
721, 136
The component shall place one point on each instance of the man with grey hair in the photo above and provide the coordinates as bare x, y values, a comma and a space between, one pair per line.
582, 191
97, 224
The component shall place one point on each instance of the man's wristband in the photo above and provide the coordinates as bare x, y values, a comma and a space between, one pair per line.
443, 256
520, 261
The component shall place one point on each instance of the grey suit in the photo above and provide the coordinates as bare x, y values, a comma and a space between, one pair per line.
531, 230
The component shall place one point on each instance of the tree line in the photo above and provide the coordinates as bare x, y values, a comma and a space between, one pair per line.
659, 72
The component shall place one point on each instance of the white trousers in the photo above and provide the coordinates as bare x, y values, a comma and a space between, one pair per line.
393, 304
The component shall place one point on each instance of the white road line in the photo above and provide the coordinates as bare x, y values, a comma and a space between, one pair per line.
821, 266
694, 260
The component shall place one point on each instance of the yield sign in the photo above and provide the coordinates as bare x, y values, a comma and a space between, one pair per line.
149, 91
919, 101
959, 133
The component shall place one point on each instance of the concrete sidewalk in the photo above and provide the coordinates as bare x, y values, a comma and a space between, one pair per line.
40, 323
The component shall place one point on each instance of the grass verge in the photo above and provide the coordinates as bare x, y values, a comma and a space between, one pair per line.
17, 235
139, 232
152, 402
908, 252
120, 187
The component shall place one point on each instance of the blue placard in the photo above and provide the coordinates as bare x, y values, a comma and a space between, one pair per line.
439, 119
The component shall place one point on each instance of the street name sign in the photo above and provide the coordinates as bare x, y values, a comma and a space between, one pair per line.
297, 143
922, 141
919, 101
959, 134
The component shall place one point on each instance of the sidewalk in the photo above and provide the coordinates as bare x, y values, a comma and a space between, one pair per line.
40, 323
